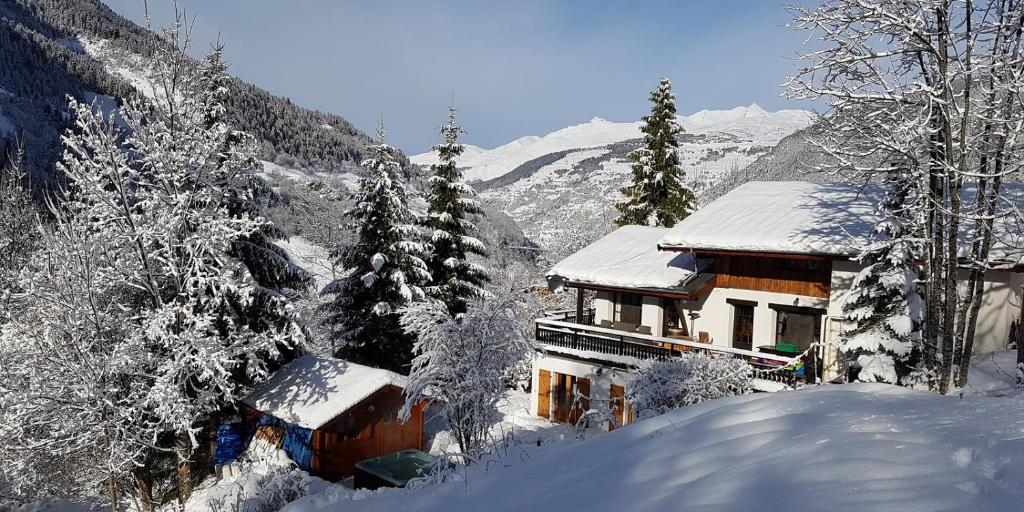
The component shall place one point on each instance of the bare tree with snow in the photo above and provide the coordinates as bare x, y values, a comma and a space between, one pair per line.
659, 386
139, 322
462, 365
931, 87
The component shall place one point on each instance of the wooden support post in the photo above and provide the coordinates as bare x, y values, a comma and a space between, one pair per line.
811, 366
579, 305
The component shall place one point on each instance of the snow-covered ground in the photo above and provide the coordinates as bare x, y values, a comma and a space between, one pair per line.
993, 374
311, 257
516, 424
859, 447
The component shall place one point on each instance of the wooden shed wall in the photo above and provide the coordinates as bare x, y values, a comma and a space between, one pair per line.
369, 429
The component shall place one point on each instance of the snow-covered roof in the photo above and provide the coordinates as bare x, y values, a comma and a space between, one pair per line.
808, 218
625, 258
781, 216
311, 391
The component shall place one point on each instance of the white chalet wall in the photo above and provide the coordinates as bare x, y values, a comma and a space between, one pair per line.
1000, 304
652, 314
604, 308
715, 315
601, 378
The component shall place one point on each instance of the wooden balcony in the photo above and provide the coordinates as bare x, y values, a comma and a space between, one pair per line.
559, 330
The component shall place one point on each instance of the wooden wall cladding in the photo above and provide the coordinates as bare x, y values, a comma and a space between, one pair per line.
772, 274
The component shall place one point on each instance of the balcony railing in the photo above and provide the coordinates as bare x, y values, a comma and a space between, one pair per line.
558, 329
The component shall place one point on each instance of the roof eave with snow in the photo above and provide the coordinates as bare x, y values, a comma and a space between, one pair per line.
627, 258
311, 391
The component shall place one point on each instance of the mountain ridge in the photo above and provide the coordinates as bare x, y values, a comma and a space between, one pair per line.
487, 164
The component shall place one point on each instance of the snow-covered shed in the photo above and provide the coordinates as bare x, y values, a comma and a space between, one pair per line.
335, 413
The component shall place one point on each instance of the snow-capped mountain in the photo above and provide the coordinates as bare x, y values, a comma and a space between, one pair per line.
751, 122
564, 185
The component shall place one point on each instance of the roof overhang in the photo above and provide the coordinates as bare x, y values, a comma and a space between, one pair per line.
761, 254
690, 289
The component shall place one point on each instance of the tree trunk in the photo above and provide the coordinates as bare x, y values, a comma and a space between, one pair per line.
183, 446
112, 491
144, 487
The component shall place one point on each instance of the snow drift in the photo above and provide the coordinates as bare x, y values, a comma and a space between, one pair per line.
860, 447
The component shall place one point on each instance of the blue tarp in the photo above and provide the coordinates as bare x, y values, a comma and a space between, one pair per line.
230, 443
296, 443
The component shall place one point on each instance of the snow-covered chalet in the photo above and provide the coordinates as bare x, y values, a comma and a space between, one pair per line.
759, 274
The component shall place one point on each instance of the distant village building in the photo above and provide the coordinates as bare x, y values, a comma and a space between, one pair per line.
334, 413
759, 274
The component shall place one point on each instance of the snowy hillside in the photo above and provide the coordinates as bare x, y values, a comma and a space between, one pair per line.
568, 181
862, 447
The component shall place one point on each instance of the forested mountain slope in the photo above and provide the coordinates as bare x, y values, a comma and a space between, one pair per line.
49, 54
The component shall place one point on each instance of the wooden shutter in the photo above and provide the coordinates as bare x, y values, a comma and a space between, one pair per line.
544, 394
583, 405
618, 404
584, 386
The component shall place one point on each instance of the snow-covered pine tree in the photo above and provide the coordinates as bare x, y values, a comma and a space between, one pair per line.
18, 233
246, 195
384, 269
657, 196
883, 303
455, 280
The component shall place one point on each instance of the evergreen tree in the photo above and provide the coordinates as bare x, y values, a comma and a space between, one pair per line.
454, 279
384, 269
657, 196
246, 194
883, 303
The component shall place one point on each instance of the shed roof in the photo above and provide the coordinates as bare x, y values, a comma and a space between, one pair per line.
625, 258
311, 391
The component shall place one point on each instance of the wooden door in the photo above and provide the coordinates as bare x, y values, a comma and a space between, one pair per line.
544, 394
390, 438
743, 326
618, 405
563, 397
582, 404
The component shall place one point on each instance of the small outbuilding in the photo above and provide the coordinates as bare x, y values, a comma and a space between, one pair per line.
334, 413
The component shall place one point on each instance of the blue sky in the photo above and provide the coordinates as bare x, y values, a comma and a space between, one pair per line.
517, 68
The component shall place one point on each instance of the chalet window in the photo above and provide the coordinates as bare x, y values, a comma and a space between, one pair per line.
628, 307
797, 326
348, 427
674, 320
742, 324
